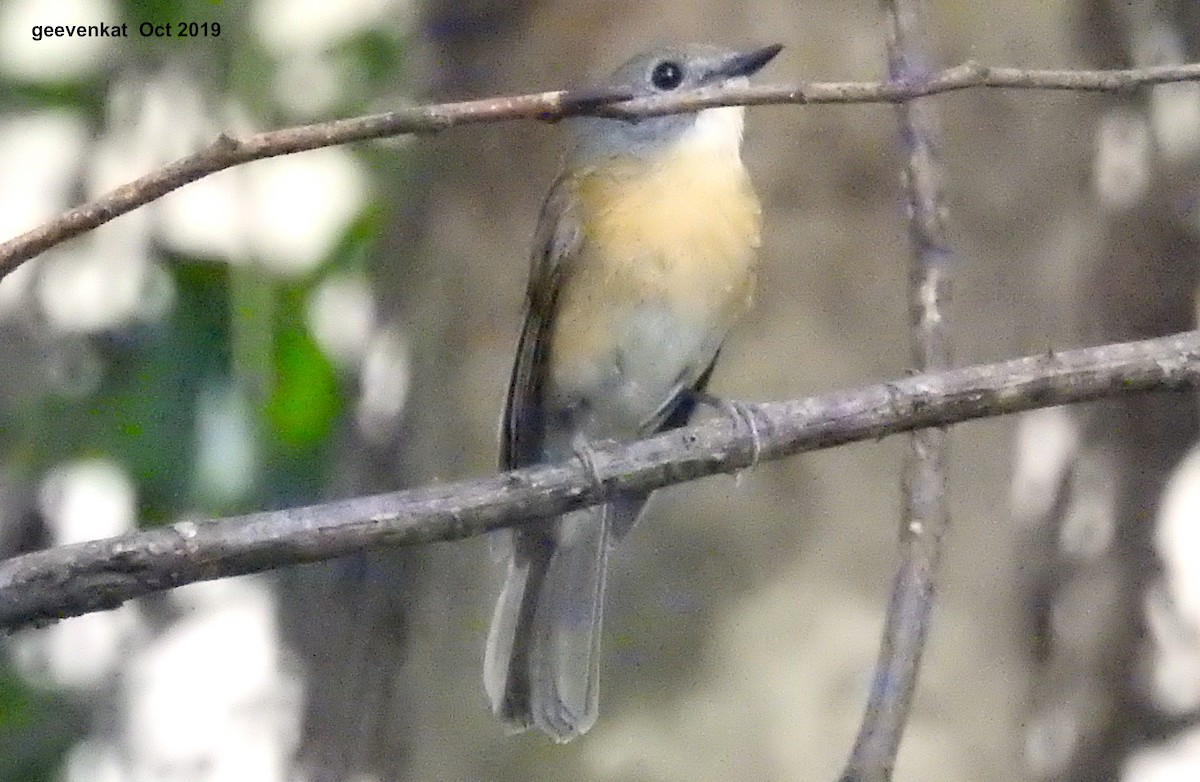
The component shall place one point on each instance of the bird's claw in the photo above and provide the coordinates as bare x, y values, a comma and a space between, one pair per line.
586, 454
742, 413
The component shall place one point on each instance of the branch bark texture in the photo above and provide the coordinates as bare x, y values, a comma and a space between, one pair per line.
77, 579
226, 151
925, 514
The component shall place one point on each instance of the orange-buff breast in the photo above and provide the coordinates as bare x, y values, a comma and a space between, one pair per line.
665, 265
685, 230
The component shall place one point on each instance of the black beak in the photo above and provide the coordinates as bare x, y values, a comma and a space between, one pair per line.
747, 63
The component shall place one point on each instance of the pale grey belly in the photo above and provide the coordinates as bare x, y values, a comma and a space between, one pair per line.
652, 355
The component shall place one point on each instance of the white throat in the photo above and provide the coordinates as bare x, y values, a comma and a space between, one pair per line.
719, 131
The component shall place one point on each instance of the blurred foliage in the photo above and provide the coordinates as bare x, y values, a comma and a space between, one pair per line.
29, 752
229, 325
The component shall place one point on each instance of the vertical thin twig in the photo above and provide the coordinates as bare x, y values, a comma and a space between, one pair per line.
925, 515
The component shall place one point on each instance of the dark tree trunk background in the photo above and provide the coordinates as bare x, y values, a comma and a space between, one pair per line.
1092, 562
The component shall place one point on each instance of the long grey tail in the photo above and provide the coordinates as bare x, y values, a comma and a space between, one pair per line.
542, 664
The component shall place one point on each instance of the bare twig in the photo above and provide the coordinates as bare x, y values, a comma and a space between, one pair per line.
85, 577
925, 514
227, 152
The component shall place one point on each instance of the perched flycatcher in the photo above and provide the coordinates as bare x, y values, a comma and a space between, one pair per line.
643, 260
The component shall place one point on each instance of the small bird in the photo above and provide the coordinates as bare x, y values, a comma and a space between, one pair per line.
644, 257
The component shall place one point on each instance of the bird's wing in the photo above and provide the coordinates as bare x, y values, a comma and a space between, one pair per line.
556, 243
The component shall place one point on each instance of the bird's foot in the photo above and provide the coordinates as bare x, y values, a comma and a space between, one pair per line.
586, 454
743, 415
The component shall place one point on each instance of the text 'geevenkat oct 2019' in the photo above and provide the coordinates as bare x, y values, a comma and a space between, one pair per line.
144, 30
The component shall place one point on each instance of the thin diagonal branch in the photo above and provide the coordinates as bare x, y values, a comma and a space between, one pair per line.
925, 513
85, 577
227, 151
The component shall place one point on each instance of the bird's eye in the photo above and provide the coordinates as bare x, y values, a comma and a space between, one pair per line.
667, 75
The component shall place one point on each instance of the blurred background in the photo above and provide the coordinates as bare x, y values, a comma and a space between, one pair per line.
342, 321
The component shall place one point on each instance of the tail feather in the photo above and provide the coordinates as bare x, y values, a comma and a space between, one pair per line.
542, 665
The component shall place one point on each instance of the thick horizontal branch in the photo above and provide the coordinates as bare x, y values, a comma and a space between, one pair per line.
80, 578
227, 152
